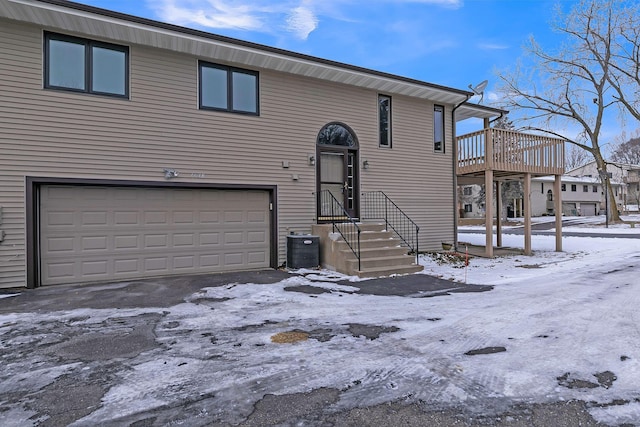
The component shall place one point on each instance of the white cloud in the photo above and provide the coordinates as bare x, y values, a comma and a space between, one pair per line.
302, 21
492, 46
493, 96
299, 17
211, 13
448, 3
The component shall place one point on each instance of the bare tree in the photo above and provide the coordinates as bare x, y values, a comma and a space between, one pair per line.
627, 150
570, 87
624, 63
575, 157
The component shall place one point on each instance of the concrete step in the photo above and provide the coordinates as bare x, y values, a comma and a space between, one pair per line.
383, 261
376, 252
371, 244
372, 226
368, 226
388, 271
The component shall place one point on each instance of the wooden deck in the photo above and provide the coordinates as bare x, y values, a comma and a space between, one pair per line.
491, 156
509, 153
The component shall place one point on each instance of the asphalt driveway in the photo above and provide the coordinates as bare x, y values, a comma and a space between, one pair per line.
73, 355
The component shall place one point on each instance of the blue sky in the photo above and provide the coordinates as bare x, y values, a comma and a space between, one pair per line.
449, 42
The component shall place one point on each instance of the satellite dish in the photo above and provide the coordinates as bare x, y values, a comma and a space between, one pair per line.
479, 89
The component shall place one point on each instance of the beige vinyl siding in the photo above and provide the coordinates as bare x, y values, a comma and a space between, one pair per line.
418, 180
49, 133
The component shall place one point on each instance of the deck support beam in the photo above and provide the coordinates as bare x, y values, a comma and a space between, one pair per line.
557, 201
527, 214
488, 204
499, 214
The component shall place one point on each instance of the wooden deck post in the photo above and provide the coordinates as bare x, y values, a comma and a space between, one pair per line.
488, 212
557, 193
527, 214
498, 214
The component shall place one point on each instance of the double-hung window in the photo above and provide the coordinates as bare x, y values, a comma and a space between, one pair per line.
88, 66
231, 89
438, 128
384, 120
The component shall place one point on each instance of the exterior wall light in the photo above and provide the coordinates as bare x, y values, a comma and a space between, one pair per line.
311, 159
170, 173
365, 164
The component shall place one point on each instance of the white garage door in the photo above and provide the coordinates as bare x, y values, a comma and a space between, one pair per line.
90, 233
587, 209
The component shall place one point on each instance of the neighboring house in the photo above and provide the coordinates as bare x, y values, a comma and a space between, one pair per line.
471, 202
628, 194
131, 148
581, 195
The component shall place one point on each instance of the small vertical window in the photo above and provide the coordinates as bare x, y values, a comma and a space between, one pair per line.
595, 189
585, 188
438, 128
384, 120
574, 187
228, 89
468, 208
563, 187
81, 65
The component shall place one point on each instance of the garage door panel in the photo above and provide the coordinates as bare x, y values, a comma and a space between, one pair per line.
125, 266
138, 232
126, 218
131, 242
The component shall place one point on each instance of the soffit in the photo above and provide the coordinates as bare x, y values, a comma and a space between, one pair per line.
469, 110
88, 21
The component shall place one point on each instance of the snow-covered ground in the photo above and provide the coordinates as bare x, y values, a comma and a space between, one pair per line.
557, 326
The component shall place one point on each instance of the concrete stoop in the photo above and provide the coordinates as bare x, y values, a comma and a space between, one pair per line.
381, 253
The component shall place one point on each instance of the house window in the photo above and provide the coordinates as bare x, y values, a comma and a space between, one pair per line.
384, 120
438, 128
467, 191
468, 208
88, 66
594, 189
563, 187
574, 187
585, 188
228, 89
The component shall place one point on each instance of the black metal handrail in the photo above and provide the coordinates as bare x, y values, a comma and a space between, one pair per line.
375, 205
331, 210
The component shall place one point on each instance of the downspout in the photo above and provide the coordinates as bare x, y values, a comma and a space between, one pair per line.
454, 162
497, 118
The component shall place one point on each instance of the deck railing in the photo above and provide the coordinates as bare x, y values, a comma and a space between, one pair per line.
510, 151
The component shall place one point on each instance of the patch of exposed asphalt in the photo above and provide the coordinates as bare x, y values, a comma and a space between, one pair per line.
486, 350
314, 408
282, 410
135, 337
410, 285
305, 289
371, 332
82, 396
604, 379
